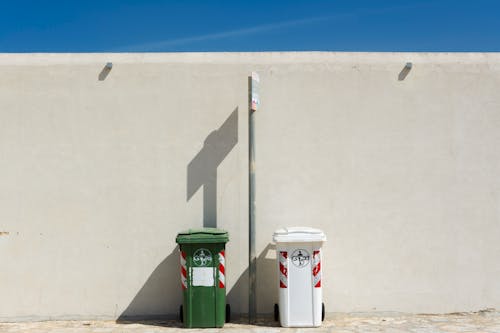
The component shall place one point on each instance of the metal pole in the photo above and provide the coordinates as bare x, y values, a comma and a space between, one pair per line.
252, 263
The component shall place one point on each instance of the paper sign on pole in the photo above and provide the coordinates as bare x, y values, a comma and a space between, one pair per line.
255, 91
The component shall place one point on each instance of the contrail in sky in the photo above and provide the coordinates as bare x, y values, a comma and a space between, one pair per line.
165, 44
224, 34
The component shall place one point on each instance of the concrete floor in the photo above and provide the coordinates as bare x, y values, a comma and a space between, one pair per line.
482, 321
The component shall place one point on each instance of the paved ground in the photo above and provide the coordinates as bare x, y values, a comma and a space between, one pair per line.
484, 321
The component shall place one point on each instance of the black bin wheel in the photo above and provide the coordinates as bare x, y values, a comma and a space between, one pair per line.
322, 311
228, 313
181, 314
276, 312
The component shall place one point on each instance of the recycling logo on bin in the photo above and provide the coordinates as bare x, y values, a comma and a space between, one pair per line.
300, 258
202, 257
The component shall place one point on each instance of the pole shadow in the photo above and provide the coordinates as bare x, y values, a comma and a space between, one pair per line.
158, 301
202, 170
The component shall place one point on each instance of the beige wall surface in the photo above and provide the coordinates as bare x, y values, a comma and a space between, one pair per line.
99, 170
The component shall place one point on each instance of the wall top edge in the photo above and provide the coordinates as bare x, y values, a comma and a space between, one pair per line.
249, 58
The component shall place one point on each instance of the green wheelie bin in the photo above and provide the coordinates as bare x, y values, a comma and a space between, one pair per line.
202, 258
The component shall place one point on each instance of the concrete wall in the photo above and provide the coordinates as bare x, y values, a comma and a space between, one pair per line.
100, 169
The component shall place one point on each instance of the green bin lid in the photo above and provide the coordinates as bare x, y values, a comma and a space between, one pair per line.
202, 235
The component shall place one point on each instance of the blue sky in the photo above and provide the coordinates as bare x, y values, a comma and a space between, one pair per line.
178, 26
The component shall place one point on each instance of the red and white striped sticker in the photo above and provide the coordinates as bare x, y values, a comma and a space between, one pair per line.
222, 269
283, 269
316, 271
183, 270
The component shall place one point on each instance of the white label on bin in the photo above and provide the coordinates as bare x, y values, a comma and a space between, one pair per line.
300, 258
203, 276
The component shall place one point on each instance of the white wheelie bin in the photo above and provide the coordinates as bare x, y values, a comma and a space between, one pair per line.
299, 267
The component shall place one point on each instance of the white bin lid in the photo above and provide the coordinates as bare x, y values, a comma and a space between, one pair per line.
298, 235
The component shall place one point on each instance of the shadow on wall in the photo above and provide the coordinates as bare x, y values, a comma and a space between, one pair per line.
267, 283
162, 289
160, 296
154, 302
202, 170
